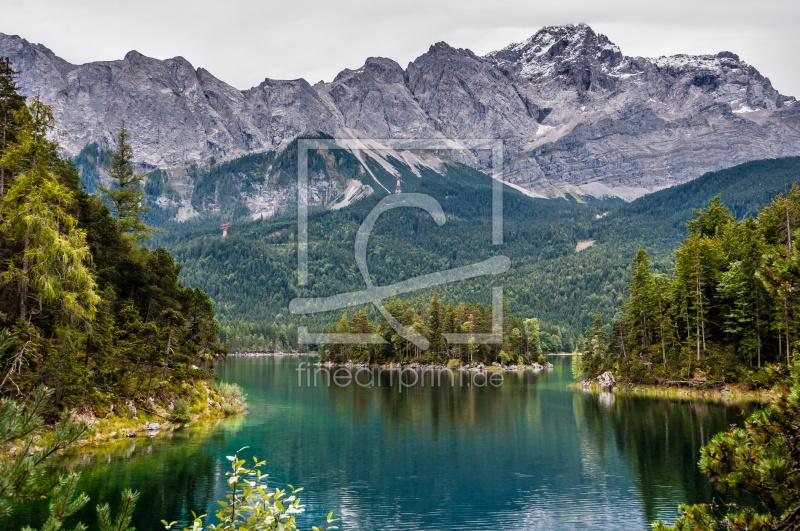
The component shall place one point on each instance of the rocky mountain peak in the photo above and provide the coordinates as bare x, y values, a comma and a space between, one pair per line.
133, 56
572, 50
575, 114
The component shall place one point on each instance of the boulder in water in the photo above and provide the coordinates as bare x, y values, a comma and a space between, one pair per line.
606, 380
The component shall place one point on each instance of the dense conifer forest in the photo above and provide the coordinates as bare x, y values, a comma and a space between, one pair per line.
251, 275
85, 309
726, 311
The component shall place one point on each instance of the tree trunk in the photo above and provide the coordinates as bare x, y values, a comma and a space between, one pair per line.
758, 330
2, 150
23, 288
166, 357
786, 327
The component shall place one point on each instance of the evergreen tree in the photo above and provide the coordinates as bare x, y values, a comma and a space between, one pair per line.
126, 194
641, 308
52, 265
11, 102
758, 460
21, 477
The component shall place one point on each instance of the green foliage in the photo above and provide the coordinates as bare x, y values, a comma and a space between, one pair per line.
123, 520
47, 256
577, 367
431, 320
23, 477
11, 103
251, 274
758, 460
89, 163
250, 507
180, 411
234, 398
125, 195
85, 310
728, 307
504, 358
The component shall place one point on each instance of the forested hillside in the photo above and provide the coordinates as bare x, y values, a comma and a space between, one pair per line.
726, 310
251, 274
85, 309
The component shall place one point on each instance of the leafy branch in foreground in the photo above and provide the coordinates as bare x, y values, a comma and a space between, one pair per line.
22, 476
250, 507
760, 459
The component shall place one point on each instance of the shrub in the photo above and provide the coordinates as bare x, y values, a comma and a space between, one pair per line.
232, 408
504, 358
234, 398
232, 391
181, 412
542, 359
250, 507
453, 364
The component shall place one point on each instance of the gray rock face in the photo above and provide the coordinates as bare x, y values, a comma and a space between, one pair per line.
617, 125
282, 110
577, 116
467, 96
375, 101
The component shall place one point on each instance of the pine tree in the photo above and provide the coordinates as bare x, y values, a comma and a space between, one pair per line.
436, 317
640, 308
760, 460
21, 479
126, 194
344, 328
11, 102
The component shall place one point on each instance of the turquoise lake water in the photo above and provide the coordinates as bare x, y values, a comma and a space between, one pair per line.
530, 453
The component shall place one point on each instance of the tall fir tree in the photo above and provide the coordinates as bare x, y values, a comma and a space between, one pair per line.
11, 102
126, 195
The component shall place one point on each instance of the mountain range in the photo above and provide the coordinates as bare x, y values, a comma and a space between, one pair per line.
577, 116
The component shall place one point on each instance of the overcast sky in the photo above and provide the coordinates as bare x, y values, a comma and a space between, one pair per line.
244, 41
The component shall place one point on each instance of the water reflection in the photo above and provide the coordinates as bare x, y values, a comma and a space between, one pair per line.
529, 454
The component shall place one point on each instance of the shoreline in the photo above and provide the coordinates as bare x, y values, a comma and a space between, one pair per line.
150, 422
155, 419
270, 354
476, 367
733, 395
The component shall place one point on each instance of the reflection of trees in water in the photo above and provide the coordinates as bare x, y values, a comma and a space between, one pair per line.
660, 439
412, 441
453, 401
174, 473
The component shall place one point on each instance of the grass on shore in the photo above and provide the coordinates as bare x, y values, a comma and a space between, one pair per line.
734, 394
205, 403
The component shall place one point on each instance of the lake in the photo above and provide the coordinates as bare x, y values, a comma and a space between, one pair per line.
529, 453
